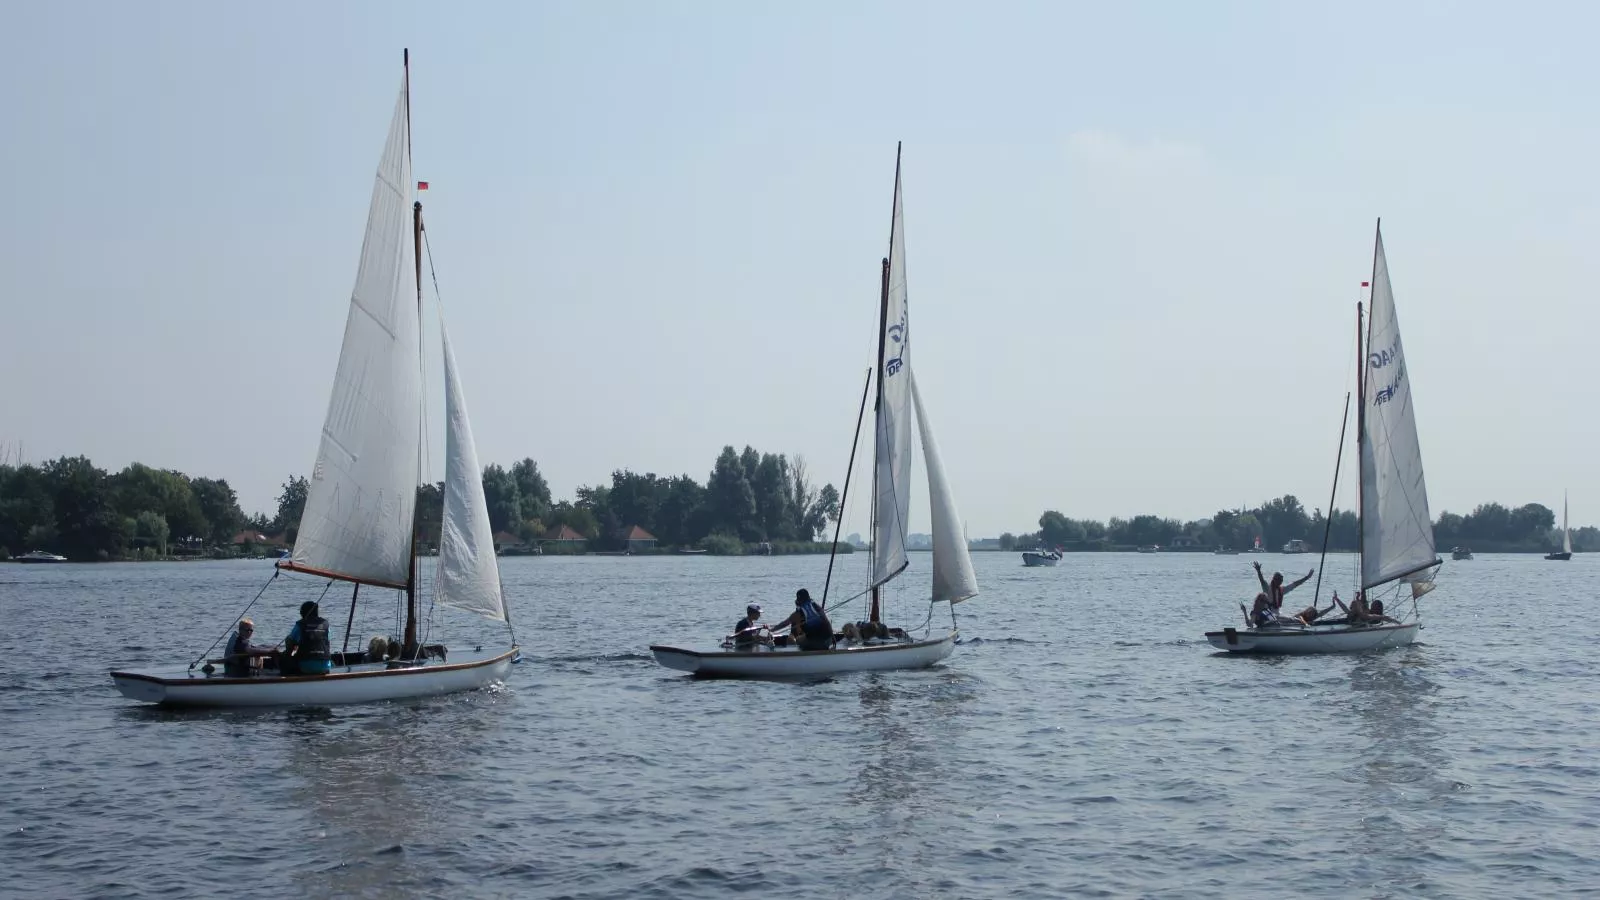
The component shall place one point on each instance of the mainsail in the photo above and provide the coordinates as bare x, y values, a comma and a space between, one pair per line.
469, 576
953, 578
1397, 530
358, 517
1566, 534
893, 446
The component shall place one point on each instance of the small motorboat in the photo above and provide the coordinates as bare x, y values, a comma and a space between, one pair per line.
1032, 558
39, 556
1460, 553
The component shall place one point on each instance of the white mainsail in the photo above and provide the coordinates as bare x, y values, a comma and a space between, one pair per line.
1566, 534
358, 516
1397, 530
469, 575
953, 578
893, 445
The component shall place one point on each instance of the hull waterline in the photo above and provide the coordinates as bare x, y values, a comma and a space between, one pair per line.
790, 663
1299, 642
367, 683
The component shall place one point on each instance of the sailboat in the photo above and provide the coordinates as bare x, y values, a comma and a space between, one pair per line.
1396, 546
897, 397
1566, 534
359, 526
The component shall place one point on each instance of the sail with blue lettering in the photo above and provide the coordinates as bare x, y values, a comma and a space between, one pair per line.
1397, 529
893, 445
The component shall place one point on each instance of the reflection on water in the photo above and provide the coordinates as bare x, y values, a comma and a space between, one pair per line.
367, 780
1400, 770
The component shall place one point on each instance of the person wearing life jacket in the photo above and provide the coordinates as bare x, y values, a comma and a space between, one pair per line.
1277, 588
307, 650
808, 624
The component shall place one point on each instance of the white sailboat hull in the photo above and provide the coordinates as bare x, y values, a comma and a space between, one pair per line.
1039, 559
366, 683
1304, 641
786, 662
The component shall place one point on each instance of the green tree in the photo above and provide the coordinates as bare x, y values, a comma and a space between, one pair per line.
636, 499
1008, 541
533, 492
219, 507
732, 502
87, 526
291, 506
151, 531
504, 498
771, 488
682, 518
139, 488
25, 505
824, 510
802, 497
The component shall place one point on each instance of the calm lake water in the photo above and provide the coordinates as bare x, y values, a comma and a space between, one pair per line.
1083, 740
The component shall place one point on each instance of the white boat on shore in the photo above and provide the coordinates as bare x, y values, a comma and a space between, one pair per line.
370, 449
897, 399
1396, 537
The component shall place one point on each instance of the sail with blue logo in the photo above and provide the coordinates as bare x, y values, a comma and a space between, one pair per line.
892, 503
1397, 529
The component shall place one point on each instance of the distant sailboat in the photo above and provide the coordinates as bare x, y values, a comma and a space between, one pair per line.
897, 400
359, 525
1396, 537
1566, 535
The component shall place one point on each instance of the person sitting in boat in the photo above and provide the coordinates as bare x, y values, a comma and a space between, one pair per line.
240, 659
1277, 588
1261, 614
809, 623
751, 631
307, 650
1311, 613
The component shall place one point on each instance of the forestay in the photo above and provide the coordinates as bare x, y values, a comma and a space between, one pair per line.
953, 578
358, 515
1397, 530
469, 575
892, 504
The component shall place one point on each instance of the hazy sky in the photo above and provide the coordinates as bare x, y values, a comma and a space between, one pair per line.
1135, 235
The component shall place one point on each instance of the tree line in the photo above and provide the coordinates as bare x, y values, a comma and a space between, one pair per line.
70, 506
1490, 527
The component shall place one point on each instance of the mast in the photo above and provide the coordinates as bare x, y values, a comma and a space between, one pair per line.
409, 646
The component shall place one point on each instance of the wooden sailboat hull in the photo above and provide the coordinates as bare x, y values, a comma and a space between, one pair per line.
367, 683
784, 662
1305, 641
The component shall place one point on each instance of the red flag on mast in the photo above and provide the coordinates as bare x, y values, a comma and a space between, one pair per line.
1363, 284
423, 185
